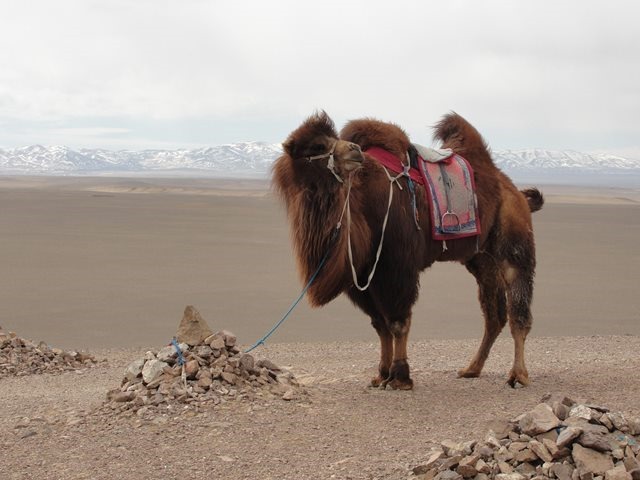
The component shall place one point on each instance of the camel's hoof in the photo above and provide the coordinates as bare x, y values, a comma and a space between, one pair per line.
377, 382
518, 380
468, 373
396, 384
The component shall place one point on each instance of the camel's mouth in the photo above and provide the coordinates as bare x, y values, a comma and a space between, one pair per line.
351, 156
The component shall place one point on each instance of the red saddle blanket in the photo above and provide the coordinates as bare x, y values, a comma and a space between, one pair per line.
450, 192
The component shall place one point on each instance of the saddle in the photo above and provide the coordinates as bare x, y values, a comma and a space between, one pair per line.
449, 187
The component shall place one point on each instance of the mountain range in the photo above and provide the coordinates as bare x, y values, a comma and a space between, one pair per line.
253, 160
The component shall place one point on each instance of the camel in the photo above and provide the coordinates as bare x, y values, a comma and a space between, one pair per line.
321, 173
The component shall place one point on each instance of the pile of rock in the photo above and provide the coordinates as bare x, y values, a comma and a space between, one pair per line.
198, 368
19, 357
559, 438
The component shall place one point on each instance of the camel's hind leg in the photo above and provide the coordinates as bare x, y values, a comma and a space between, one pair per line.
519, 295
492, 298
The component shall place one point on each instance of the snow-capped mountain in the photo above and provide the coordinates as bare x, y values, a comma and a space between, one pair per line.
253, 159
565, 159
250, 159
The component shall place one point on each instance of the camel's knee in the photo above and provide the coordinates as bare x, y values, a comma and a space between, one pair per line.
519, 289
399, 328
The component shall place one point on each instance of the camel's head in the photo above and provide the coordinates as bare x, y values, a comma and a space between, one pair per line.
315, 147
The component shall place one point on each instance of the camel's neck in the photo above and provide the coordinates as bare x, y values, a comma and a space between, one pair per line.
314, 213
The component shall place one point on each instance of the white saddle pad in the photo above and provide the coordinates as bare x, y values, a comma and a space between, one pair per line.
433, 155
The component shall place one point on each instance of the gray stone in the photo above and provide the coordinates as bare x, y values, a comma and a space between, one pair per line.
500, 428
554, 450
562, 471
247, 362
541, 451
504, 467
482, 467
435, 459
567, 436
268, 364
152, 370
619, 421
122, 397
631, 463
510, 476
588, 460
193, 329
134, 369
229, 338
526, 469
560, 410
594, 440
452, 449
581, 411
167, 353
539, 420
526, 455
229, 377
289, 395
191, 369
217, 342
617, 473
448, 475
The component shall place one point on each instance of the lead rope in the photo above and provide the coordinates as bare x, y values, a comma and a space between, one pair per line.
334, 236
392, 180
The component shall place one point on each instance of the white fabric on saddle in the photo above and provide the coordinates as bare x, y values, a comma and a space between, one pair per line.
433, 155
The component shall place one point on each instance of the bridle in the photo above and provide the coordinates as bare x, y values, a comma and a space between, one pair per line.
347, 209
331, 164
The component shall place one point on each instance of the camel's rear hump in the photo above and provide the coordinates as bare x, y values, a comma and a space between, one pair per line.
456, 133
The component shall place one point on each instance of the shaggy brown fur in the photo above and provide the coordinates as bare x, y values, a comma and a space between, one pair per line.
502, 258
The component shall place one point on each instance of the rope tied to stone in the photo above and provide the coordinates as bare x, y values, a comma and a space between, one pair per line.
174, 342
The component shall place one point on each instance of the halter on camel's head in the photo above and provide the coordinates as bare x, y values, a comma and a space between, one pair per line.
316, 143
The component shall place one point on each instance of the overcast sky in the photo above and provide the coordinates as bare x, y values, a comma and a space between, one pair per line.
182, 74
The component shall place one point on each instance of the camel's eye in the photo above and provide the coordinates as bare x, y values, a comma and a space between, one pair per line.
317, 148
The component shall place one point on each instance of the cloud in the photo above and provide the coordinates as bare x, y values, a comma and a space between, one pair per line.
557, 74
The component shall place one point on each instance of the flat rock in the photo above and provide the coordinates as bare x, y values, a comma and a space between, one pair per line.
539, 420
617, 473
588, 460
594, 440
567, 436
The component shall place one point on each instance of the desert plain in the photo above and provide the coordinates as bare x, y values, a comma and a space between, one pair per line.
107, 265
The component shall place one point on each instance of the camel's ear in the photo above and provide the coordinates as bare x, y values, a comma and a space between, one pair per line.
289, 146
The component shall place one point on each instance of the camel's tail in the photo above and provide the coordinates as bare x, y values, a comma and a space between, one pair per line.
534, 198
456, 133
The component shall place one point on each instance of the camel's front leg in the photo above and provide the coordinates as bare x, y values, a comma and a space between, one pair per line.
399, 377
386, 351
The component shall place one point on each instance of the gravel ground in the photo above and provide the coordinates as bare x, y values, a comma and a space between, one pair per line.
339, 429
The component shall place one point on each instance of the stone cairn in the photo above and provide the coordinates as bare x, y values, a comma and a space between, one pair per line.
19, 357
559, 438
199, 368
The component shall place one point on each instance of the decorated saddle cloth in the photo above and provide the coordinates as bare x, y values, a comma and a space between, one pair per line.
449, 186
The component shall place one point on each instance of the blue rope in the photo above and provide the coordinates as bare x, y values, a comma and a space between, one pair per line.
178, 350
414, 206
294, 304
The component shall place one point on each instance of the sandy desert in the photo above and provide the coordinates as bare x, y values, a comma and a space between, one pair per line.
107, 265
